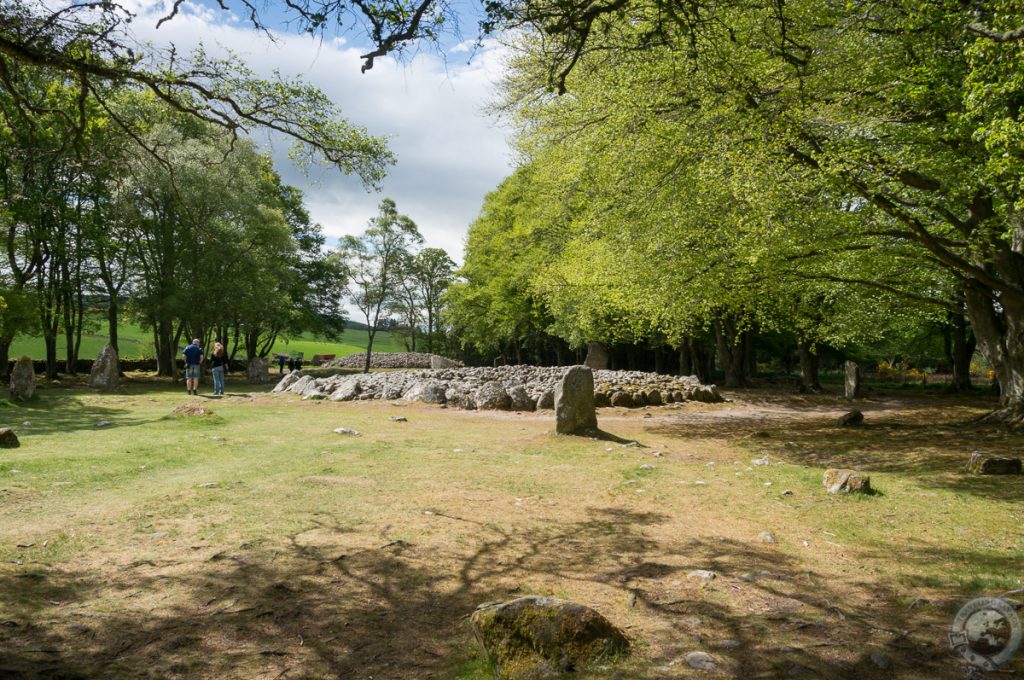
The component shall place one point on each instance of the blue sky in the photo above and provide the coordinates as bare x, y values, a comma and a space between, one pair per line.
428, 104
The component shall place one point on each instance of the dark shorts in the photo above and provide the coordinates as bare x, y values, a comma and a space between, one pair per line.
192, 371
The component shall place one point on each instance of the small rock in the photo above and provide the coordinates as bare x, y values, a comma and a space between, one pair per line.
398, 419
157, 535
786, 492
768, 483
881, 660
839, 480
347, 430
658, 454
700, 482
703, 575
647, 466
767, 537
209, 485
104, 423
726, 644
710, 463
760, 461
217, 439
26, 423
700, 660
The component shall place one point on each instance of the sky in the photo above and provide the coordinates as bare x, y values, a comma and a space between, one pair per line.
429, 106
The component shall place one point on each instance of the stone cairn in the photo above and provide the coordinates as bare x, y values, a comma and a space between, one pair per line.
394, 360
518, 388
23, 380
106, 370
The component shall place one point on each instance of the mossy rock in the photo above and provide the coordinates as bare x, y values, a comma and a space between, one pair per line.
541, 637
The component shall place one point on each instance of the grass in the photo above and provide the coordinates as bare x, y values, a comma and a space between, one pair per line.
137, 343
257, 543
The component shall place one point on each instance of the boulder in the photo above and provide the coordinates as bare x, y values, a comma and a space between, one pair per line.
654, 398
597, 356
521, 399
547, 399
106, 370
984, 463
839, 480
23, 380
622, 399
347, 390
492, 397
540, 637
574, 402
288, 381
601, 399
258, 371
708, 394
8, 439
852, 418
433, 392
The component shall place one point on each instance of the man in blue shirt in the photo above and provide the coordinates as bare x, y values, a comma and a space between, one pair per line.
193, 356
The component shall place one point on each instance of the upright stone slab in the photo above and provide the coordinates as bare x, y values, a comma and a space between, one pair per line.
23, 380
439, 362
574, 402
106, 370
597, 357
258, 371
853, 387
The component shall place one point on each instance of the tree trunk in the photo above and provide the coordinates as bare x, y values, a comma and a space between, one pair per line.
959, 346
750, 353
731, 353
999, 329
808, 367
685, 358
5, 358
165, 354
369, 349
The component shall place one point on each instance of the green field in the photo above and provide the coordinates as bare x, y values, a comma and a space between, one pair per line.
137, 343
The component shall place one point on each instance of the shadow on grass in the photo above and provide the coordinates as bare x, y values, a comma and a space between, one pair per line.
55, 413
322, 609
928, 439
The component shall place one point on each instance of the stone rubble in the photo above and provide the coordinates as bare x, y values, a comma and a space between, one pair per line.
394, 360
519, 388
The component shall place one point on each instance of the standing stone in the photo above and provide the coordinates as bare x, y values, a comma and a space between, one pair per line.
106, 370
597, 357
853, 387
258, 372
574, 401
23, 380
852, 418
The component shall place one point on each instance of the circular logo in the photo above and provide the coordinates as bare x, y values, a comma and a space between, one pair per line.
986, 632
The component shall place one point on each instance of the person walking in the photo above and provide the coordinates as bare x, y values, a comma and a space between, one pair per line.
193, 356
219, 363
280, 362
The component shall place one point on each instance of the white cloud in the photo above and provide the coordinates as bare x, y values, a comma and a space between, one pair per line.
449, 152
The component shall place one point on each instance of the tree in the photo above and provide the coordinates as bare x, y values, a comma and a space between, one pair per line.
432, 273
91, 45
373, 260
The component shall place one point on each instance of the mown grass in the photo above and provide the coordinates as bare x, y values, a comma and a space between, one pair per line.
257, 543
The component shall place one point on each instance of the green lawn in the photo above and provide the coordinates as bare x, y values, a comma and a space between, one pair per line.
136, 343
